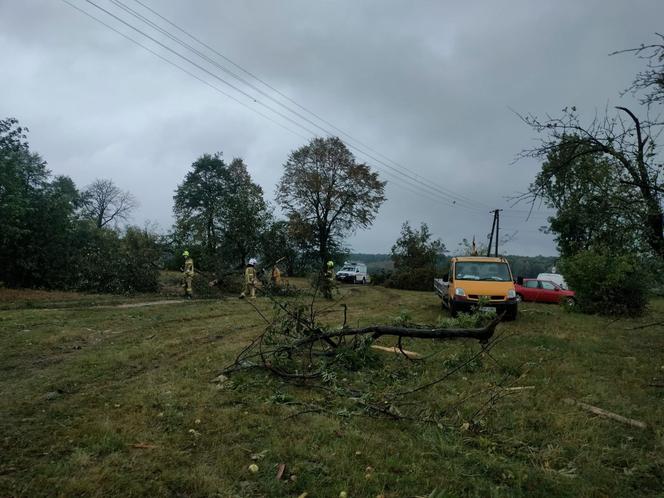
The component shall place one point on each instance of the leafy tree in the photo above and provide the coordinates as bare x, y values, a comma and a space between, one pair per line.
198, 202
415, 256
36, 214
245, 214
104, 203
621, 146
326, 194
277, 243
628, 180
593, 206
219, 207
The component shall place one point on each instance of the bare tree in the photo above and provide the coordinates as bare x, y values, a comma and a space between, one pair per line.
649, 82
104, 202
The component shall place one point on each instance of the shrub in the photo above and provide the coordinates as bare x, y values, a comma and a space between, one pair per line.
380, 277
608, 283
412, 279
106, 262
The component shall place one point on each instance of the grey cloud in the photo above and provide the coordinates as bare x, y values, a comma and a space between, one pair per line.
429, 84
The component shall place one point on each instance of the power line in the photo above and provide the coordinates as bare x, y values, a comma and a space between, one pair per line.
234, 87
404, 180
454, 198
454, 195
156, 54
404, 184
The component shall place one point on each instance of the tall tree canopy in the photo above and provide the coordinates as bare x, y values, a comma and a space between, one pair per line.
593, 207
611, 164
326, 194
220, 208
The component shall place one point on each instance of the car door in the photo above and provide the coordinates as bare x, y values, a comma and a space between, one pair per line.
530, 290
549, 293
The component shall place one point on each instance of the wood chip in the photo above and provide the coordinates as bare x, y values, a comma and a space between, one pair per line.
606, 414
280, 471
396, 350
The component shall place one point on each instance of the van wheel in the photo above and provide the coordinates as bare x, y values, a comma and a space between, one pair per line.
519, 298
570, 302
453, 310
512, 314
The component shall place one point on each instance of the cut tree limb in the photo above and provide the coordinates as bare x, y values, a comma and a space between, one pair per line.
396, 350
606, 414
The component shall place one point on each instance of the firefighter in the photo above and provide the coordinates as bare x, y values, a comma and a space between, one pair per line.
328, 280
276, 277
250, 280
188, 271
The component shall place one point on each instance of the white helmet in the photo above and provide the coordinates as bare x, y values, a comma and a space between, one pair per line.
253, 261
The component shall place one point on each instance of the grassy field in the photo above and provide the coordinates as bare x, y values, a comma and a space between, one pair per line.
100, 400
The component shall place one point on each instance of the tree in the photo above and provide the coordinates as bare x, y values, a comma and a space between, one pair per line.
651, 79
219, 207
104, 203
277, 243
628, 175
36, 214
593, 206
622, 148
245, 214
198, 202
415, 256
327, 195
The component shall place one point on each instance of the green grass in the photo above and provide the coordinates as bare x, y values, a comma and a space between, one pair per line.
81, 386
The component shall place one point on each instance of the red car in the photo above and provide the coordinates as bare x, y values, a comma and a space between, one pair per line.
543, 291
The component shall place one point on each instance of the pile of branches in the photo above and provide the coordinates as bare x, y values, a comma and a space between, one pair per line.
298, 348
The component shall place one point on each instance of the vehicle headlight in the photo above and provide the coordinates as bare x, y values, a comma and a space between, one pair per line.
459, 291
511, 294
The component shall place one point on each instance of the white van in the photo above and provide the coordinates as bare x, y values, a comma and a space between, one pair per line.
354, 273
556, 278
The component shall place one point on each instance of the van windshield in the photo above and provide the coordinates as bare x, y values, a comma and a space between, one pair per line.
471, 270
348, 268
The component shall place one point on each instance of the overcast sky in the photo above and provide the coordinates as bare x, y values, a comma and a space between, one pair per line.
431, 85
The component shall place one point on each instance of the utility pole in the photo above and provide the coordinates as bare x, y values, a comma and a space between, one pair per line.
495, 228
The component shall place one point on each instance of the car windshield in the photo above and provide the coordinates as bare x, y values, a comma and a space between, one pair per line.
498, 272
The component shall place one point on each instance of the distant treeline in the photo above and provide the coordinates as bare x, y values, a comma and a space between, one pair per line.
522, 266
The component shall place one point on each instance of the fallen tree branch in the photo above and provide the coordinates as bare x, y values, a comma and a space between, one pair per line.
376, 331
606, 414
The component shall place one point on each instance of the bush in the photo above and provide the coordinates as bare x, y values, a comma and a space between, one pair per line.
607, 283
380, 277
106, 262
412, 279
